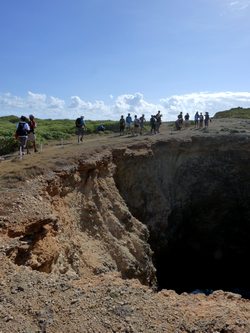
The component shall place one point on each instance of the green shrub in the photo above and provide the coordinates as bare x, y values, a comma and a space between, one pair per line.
47, 130
8, 144
238, 112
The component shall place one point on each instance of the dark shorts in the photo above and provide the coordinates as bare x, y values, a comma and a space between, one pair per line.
79, 131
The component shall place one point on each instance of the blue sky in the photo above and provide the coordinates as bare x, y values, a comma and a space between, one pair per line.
104, 58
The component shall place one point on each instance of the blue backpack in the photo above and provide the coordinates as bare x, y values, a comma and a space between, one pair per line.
21, 131
79, 122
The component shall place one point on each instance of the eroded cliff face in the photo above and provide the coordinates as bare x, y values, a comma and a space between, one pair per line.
75, 222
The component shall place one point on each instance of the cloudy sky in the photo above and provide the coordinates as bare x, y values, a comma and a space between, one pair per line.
104, 58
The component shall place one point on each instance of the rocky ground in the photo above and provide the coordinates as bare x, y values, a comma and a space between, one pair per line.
74, 259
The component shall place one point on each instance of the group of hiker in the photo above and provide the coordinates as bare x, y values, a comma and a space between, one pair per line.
127, 125
200, 120
136, 126
25, 130
25, 133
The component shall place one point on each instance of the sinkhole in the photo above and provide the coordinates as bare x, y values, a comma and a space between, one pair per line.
194, 198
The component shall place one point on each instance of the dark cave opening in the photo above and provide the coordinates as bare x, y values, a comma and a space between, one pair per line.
195, 201
208, 249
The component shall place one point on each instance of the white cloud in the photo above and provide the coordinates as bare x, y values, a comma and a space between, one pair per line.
134, 104
205, 101
77, 103
95, 110
239, 5
44, 106
56, 103
36, 98
9, 101
35, 101
235, 9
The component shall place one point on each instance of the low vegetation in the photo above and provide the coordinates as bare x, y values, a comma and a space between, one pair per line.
63, 129
234, 113
47, 130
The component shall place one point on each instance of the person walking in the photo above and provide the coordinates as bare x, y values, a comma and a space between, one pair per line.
31, 135
136, 125
142, 121
158, 121
206, 119
180, 118
80, 128
122, 125
153, 124
186, 120
201, 120
196, 119
129, 123
21, 134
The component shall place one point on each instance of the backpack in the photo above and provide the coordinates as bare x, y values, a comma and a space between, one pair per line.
21, 131
136, 122
78, 122
122, 122
152, 120
32, 125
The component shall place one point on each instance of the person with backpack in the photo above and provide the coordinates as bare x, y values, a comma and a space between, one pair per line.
100, 128
206, 119
186, 120
128, 123
196, 119
158, 121
153, 124
201, 120
21, 134
80, 128
31, 135
122, 125
142, 121
180, 119
136, 125
177, 124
